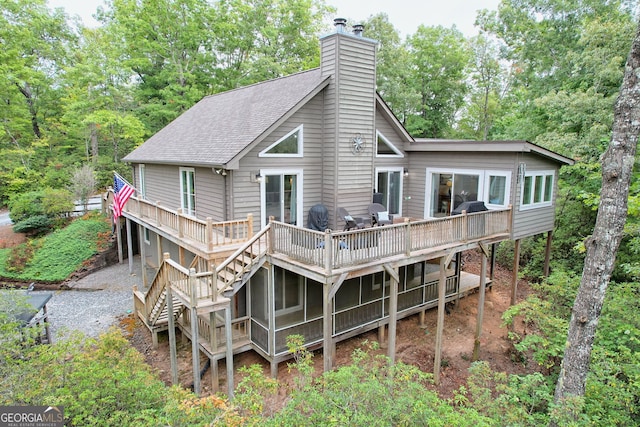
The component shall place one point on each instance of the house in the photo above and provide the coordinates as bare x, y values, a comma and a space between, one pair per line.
226, 192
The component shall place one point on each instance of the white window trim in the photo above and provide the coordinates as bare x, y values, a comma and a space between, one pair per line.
187, 210
533, 174
299, 190
400, 170
399, 154
146, 234
265, 152
142, 183
507, 189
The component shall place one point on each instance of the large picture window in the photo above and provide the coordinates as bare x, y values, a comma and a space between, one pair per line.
188, 191
537, 189
448, 188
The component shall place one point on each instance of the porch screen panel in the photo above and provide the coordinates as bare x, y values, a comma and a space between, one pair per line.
371, 287
314, 299
348, 295
259, 297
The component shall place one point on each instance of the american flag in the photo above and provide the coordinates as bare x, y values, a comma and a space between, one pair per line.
122, 191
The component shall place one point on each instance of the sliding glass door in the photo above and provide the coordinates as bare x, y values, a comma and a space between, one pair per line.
282, 196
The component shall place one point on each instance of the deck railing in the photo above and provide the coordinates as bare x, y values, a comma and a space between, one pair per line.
201, 232
334, 250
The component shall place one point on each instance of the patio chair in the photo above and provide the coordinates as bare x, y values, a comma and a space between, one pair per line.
350, 222
379, 214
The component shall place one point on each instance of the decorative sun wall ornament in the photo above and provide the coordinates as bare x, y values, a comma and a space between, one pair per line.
358, 143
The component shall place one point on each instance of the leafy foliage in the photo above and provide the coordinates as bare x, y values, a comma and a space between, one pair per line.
372, 391
62, 252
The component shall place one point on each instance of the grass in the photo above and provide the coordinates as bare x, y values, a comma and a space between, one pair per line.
57, 255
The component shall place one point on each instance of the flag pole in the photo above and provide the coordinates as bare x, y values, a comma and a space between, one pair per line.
126, 182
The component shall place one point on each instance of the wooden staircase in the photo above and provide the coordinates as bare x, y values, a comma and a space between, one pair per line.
190, 286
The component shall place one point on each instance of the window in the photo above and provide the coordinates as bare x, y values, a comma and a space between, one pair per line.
146, 236
187, 188
141, 184
384, 148
389, 184
289, 145
537, 189
498, 188
448, 188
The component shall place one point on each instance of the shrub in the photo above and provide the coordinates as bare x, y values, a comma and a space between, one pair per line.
63, 251
34, 225
25, 205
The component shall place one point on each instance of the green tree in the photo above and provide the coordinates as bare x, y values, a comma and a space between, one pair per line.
488, 82
439, 58
617, 166
393, 65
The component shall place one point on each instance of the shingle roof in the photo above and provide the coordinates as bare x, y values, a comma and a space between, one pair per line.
220, 126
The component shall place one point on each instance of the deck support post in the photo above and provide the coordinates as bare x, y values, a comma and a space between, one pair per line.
229, 353
172, 335
516, 267
442, 282
327, 344
119, 239
492, 271
274, 369
483, 283
547, 253
381, 335
143, 260
215, 376
129, 246
422, 319
213, 332
195, 350
393, 311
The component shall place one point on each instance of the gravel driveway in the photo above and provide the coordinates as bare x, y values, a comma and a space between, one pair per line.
95, 302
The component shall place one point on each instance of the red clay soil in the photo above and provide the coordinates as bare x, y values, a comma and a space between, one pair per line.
415, 345
8, 238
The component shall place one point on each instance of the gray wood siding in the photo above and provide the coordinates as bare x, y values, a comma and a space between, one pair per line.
529, 222
349, 110
163, 185
329, 114
246, 193
209, 194
415, 183
356, 114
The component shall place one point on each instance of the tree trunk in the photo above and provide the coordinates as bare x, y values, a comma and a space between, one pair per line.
94, 143
617, 166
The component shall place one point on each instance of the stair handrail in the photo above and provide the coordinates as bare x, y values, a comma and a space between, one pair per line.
242, 250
